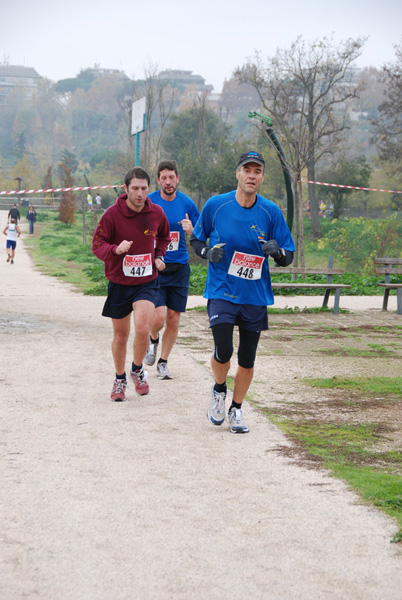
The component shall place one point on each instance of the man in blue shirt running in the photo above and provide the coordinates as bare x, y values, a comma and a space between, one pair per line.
182, 214
243, 229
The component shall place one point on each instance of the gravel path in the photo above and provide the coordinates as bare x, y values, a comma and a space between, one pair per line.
145, 499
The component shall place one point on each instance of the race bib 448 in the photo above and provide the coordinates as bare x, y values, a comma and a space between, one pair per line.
246, 266
137, 265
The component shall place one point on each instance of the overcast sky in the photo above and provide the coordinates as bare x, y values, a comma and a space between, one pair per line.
209, 37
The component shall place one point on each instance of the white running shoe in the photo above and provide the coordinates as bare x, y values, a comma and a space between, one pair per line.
216, 408
237, 425
150, 356
162, 371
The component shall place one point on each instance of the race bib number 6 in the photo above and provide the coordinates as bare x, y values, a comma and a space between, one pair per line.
174, 241
246, 266
137, 265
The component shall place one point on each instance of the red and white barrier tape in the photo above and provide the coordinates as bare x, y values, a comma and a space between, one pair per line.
351, 187
104, 187
74, 189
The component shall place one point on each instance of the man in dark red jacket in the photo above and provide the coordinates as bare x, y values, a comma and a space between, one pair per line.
131, 239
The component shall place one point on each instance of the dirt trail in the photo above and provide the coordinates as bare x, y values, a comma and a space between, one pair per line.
145, 499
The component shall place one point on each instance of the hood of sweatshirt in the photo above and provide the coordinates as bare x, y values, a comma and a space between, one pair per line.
126, 211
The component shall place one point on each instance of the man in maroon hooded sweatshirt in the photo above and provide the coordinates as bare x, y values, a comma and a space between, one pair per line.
131, 239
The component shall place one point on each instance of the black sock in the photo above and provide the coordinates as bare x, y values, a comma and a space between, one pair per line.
234, 405
162, 360
154, 341
220, 387
135, 367
121, 376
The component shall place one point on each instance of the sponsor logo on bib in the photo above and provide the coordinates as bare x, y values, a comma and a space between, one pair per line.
246, 266
174, 243
137, 265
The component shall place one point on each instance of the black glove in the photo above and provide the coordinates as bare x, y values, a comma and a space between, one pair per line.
215, 254
271, 248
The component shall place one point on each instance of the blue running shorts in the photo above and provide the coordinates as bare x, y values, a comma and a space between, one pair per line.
247, 316
173, 291
120, 298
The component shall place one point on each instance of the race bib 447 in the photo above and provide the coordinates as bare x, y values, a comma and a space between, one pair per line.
137, 265
246, 266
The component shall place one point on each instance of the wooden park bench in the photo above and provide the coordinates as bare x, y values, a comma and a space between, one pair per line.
390, 266
328, 286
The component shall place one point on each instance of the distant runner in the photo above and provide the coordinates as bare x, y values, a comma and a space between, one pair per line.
14, 213
12, 231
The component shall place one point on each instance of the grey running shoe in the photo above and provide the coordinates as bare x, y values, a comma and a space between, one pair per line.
140, 381
162, 371
150, 356
119, 390
237, 425
216, 408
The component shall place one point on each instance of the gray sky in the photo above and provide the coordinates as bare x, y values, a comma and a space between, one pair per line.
209, 37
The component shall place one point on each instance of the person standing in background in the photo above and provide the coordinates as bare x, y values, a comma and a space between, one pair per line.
31, 216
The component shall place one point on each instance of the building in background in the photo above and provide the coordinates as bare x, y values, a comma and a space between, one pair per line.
13, 76
185, 79
98, 71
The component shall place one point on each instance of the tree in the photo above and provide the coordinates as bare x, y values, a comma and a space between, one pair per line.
67, 167
237, 100
372, 93
161, 100
24, 169
10, 112
355, 172
93, 123
106, 159
83, 81
306, 91
388, 128
198, 140
20, 146
47, 184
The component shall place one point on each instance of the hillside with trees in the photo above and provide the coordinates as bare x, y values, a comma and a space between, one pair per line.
336, 123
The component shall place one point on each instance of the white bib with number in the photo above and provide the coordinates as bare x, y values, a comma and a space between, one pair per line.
246, 266
137, 265
174, 243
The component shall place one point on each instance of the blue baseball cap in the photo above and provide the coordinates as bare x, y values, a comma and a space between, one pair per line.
248, 157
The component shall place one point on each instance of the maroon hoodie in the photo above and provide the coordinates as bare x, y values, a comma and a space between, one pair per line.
147, 229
